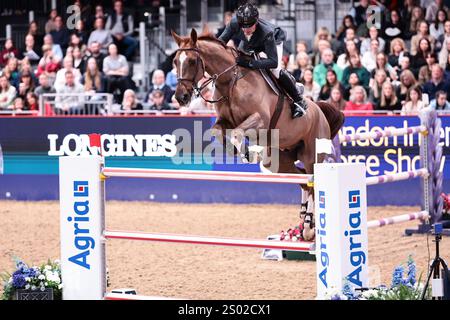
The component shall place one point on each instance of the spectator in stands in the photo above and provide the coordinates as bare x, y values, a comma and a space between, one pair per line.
320, 70
66, 101
373, 34
444, 53
38, 35
332, 82
78, 61
433, 10
397, 51
25, 67
75, 42
336, 99
300, 46
60, 34
50, 25
31, 102
404, 64
93, 79
101, 36
26, 85
440, 101
382, 63
199, 104
7, 93
302, 62
61, 74
369, 59
18, 105
353, 81
130, 102
44, 86
359, 12
121, 27
358, 102
417, 16
437, 27
420, 59
425, 71
388, 100
422, 32
350, 35
394, 27
56, 48
323, 34
446, 34
343, 60
116, 70
376, 86
356, 67
171, 78
12, 69
8, 52
316, 57
81, 32
437, 82
414, 101
407, 81
95, 52
31, 51
312, 88
159, 82
347, 22
159, 103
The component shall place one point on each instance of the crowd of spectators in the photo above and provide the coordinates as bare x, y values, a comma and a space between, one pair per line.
388, 66
399, 62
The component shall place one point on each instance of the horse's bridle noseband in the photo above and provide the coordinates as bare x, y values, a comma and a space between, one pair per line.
213, 79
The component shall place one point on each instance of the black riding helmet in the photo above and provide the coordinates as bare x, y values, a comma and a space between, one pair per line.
247, 15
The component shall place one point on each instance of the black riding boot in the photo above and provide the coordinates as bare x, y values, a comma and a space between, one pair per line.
288, 82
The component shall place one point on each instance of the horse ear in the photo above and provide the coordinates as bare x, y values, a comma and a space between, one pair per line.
193, 36
176, 37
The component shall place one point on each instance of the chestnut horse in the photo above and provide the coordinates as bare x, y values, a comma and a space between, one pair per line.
244, 101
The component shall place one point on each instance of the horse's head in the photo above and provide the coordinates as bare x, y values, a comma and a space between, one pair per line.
190, 66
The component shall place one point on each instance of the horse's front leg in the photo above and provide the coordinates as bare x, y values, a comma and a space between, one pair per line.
307, 214
248, 128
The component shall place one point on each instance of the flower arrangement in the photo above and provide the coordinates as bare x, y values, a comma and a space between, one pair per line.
403, 287
292, 234
46, 276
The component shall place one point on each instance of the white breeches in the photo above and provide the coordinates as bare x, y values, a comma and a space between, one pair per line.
276, 71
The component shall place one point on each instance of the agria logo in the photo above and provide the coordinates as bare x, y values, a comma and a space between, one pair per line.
357, 257
321, 234
82, 240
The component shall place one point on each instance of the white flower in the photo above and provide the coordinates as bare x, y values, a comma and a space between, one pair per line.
27, 287
41, 277
33, 287
60, 286
46, 284
27, 279
47, 267
10, 280
42, 288
56, 261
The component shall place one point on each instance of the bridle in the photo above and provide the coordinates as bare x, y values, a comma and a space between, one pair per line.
212, 79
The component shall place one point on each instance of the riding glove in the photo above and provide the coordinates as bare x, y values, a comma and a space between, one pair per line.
244, 62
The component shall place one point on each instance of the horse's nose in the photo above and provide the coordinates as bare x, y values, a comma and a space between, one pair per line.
183, 99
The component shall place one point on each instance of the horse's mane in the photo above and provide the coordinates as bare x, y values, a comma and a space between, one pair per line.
211, 37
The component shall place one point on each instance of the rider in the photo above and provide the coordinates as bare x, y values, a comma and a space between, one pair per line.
258, 35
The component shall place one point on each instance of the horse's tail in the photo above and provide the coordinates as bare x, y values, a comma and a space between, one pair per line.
334, 117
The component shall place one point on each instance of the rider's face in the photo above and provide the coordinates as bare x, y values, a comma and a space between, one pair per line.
249, 31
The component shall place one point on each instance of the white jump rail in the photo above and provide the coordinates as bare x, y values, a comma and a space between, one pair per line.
215, 241
208, 175
380, 134
397, 176
422, 215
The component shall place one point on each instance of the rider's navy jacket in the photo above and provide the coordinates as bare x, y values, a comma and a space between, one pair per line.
265, 39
